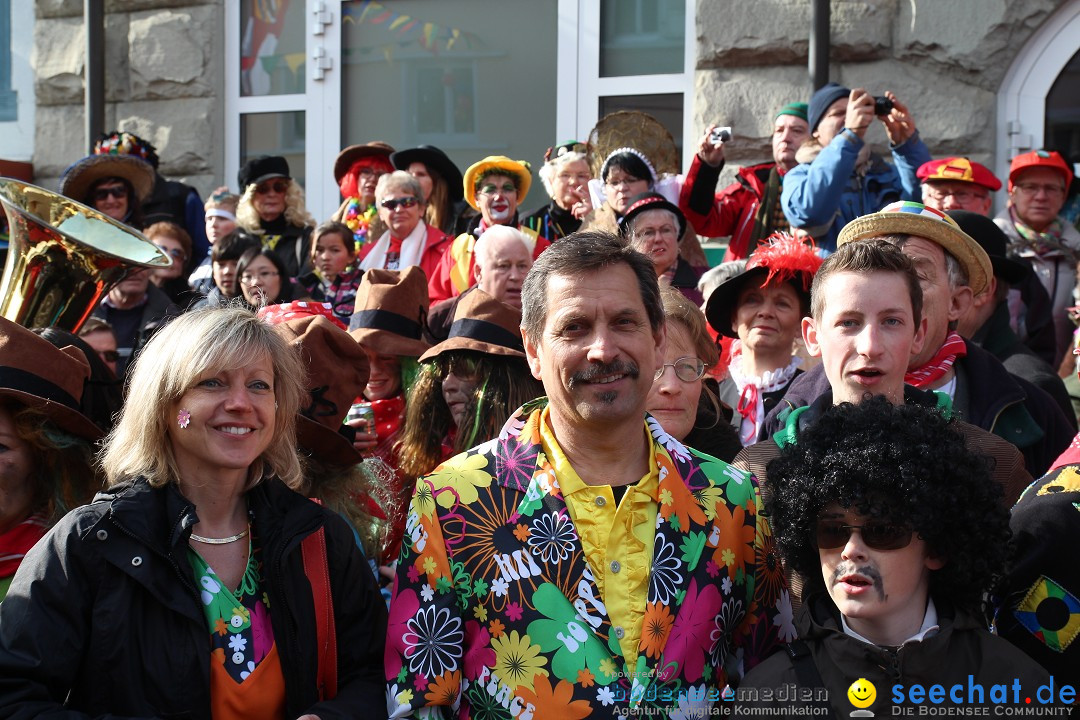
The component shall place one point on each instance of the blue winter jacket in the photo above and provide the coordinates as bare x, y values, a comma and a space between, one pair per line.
823, 196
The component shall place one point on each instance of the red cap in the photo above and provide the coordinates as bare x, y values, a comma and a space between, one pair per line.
1040, 158
959, 169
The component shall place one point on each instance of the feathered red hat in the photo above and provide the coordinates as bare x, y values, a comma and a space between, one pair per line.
782, 258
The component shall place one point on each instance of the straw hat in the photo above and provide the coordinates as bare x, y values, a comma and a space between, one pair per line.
391, 309
635, 129
337, 373
482, 324
912, 218
513, 168
49, 379
80, 176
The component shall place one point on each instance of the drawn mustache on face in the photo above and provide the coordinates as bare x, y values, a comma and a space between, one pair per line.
867, 571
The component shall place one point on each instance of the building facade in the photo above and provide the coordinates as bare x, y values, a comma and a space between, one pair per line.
212, 83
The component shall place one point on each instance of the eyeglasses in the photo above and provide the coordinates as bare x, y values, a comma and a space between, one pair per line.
403, 203
118, 191
264, 275
688, 369
491, 189
963, 196
1035, 188
278, 186
175, 252
368, 173
876, 534
625, 183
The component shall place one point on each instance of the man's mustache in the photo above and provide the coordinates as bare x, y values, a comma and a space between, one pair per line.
599, 370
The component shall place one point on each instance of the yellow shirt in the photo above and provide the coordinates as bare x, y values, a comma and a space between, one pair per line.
617, 542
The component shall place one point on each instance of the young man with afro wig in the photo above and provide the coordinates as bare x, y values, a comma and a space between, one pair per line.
889, 507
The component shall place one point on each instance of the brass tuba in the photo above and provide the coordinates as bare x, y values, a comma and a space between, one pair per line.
63, 257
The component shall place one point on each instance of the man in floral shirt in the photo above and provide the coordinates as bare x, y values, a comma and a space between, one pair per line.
584, 563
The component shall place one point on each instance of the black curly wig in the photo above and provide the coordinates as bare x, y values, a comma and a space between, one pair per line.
906, 463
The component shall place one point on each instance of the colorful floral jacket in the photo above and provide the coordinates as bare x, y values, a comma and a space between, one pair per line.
496, 613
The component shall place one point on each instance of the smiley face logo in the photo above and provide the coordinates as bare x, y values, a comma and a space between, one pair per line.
862, 693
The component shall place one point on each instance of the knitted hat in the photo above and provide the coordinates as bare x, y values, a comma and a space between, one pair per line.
784, 258
992, 239
825, 96
1040, 158
959, 169
795, 109
391, 309
643, 203
912, 218
512, 168
482, 324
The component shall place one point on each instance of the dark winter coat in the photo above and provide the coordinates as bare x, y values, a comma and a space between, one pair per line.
962, 647
104, 618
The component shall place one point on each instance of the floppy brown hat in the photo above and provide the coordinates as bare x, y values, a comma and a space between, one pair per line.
39, 375
912, 218
482, 324
351, 154
391, 309
81, 175
337, 373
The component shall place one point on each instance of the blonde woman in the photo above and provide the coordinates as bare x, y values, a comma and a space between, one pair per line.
182, 591
272, 208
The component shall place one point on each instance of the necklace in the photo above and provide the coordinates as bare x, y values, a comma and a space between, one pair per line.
221, 541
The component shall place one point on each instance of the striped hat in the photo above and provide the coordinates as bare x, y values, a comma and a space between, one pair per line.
912, 218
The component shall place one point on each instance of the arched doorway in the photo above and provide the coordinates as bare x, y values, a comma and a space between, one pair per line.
1039, 99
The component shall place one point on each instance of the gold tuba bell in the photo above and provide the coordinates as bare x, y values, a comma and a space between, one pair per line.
63, 257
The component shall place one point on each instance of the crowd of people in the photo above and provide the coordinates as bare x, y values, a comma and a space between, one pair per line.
436, 457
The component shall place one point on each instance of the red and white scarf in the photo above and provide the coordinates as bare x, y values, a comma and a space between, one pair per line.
751, 405
938, 366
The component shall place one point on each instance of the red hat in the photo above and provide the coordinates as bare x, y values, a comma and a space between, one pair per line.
959, 169
1039, 158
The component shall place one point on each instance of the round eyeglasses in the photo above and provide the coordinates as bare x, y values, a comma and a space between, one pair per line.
688, 369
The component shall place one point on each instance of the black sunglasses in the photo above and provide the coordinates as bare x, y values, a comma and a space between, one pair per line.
278, 186
876, 534
117, 192
405, 203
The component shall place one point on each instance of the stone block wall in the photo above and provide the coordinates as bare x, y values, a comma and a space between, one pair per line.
164, 81
945, 60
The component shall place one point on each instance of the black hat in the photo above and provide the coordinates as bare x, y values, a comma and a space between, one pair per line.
649, 201
781, 258
262, 168
992, 239
434, 159
825, 96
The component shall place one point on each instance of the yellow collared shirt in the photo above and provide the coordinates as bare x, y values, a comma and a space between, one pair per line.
617, 542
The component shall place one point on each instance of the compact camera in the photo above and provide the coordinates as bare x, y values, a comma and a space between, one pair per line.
882, 105
720, 135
